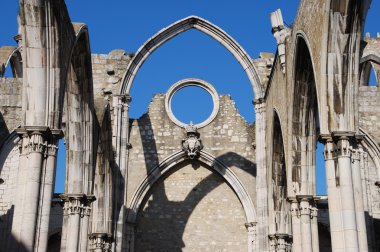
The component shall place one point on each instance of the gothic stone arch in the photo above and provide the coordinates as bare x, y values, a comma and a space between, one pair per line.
192, 22
217, 166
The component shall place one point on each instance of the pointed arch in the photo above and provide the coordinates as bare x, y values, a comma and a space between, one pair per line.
77, 115
11, 55
166, 165
305, 119
279, 178
202, 25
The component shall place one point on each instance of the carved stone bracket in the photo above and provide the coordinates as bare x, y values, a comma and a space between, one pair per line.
100, 242
192, 145
77, 204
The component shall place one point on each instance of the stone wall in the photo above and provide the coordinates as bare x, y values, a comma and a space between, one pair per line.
193, 209
8, 173
10, 106
228, 138
369, 110
108, 71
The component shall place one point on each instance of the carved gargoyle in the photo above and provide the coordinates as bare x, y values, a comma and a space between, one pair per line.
192, 145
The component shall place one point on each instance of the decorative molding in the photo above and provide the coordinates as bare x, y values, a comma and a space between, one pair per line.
192, 22
195, 83
77, 204
100, 242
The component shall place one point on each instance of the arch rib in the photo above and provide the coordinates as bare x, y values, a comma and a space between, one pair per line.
202, 25
178, 157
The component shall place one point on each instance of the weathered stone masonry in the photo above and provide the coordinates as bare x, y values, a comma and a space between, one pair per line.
153, 184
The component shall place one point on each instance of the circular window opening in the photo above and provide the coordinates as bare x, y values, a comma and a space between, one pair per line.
192, 104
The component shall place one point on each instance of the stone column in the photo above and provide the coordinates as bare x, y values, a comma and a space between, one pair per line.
304, 209
76, 207
100, 242
358, 197
251, 230
346, 191
47, 190
122, 149
261, 178
296, 225
24, 228
314, 224
333, 193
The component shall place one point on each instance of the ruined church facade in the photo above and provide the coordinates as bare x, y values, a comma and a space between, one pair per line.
157, 184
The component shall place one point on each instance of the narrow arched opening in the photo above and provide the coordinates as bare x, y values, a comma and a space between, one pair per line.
305, 126
281, 208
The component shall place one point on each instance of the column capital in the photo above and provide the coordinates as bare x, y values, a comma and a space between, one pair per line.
294, 207
250, 226
77, 204
306, 198
377, 183
329, 149
124, 98
313, 212
343, 145
100, 241
355, 154
258, 101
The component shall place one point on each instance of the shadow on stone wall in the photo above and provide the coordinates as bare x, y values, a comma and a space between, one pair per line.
171, 227
8, 241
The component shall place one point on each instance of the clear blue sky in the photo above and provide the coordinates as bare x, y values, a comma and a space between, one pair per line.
120, 24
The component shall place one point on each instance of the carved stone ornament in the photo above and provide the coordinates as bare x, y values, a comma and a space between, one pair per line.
192, 145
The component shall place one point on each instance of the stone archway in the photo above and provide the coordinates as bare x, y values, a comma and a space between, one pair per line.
192, 22
123, 100
166, 166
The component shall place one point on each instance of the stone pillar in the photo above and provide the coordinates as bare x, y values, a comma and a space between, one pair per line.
358, 197
76, 209
304, 209
296, 225
314, 224
346, 192
251, 230
47, 190
26, 215
333, 193
100, 242
122, 150
261, 178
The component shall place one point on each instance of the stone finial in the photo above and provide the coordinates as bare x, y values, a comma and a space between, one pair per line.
280, 33
192, 145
